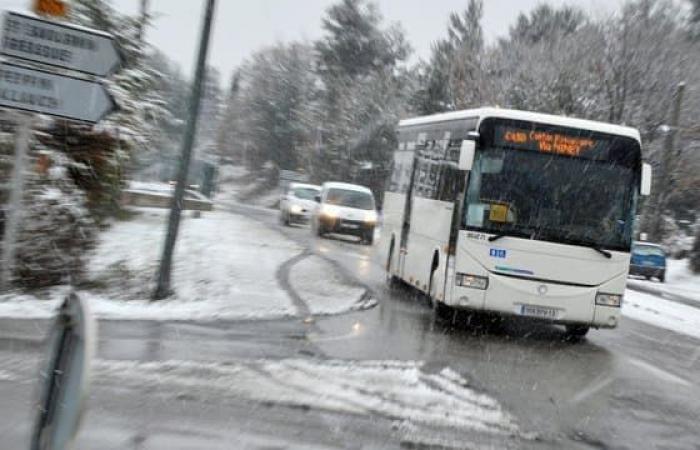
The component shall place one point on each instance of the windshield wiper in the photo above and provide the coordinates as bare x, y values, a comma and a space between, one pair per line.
600, 250
520, 234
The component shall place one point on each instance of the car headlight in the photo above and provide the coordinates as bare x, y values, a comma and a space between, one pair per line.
472, 281
295, 209
613, 300
371, 217
329, 211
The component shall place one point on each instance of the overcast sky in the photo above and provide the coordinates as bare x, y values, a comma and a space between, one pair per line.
243, 26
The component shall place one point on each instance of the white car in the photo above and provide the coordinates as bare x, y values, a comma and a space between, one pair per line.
298, 202
345, 209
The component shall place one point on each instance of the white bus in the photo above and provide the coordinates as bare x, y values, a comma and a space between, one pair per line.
517, 213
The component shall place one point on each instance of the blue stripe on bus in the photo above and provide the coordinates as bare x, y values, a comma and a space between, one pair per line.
511, 269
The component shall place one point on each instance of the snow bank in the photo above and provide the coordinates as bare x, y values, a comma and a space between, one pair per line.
225, 268
662, 313
324, 289
679, 281
394, 389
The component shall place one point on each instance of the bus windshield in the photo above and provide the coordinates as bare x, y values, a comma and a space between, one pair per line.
551, 197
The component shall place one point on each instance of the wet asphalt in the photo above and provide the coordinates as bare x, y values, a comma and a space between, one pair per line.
635, 387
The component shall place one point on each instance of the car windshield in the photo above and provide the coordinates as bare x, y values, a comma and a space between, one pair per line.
350, 198
305, 193
648, 250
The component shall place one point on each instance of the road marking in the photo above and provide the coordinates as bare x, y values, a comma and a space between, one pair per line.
660, 373
592, 389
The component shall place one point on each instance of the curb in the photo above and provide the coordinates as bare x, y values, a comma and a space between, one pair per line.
678, 298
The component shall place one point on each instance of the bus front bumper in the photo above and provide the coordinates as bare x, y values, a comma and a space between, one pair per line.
555, 303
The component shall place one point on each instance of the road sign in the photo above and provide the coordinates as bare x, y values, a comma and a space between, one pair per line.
55, 8
39, 91
57, 44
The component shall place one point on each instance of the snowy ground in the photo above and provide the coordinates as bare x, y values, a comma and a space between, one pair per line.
662, 313
679, 281
644, 300
326, 291
226, 267
397, 389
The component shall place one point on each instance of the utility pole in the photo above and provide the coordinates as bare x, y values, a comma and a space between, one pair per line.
14, 211
669, 161
163, 289
144, 16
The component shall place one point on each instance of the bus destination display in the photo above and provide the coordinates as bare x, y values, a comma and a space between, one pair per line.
551, 142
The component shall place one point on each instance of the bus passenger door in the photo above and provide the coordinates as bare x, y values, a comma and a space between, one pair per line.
428, 233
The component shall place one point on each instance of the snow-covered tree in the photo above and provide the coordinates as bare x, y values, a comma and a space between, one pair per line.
57, 228
360, 66
277, 87
455, 78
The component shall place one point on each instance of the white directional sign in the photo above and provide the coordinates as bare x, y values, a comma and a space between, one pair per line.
57, 44
57, 95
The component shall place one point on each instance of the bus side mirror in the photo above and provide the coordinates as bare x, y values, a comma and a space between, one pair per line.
466, 154
645, 187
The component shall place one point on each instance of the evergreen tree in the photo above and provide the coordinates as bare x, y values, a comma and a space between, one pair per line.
357, 56
454, 78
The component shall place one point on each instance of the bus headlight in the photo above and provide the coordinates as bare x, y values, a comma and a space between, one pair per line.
613, 300
472, 281
295, 209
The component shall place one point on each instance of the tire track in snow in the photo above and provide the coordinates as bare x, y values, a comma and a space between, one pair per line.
282, 276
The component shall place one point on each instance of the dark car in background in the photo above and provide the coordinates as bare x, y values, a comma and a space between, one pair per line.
648, 260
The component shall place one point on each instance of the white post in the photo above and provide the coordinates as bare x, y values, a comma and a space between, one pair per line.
14, 211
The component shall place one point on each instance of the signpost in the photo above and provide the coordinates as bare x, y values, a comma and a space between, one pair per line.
65, 380
60, 45
45, 91
39, 91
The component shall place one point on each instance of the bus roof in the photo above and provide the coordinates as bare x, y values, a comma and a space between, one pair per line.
483, 113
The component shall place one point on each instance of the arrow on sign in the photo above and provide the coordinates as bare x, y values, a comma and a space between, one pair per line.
43, 92
59, 45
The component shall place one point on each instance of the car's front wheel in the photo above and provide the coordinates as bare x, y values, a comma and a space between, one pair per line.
368, 236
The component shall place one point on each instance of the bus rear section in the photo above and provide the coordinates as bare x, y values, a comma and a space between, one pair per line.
540, 225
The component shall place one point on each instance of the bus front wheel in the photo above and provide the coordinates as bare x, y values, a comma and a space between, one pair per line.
576, 332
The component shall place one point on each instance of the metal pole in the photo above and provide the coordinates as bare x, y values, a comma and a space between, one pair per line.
145, 15
163, 289
14, 213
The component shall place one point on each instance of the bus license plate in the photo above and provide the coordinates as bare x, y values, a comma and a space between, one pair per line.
351, 226
539, 311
